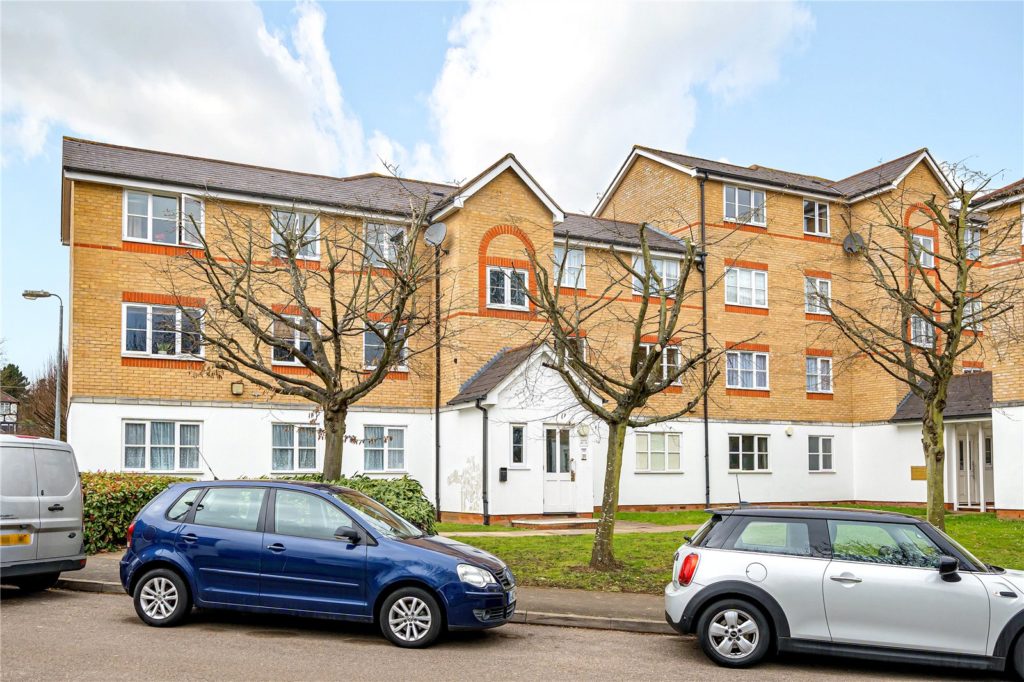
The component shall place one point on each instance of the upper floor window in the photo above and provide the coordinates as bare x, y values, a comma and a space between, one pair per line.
163, 219
817, 295
971, 369
748, 453
161, 330
658, 452
972, 242
298, 343
374, 347
671, 361
384, 243
816, 217
384, 448
746, 287
161, 445
922, 333
746, 369
506, 288
819, 375
570, 268
293, 447
303, 228
972, 315
667, 270
922, 251
744, 205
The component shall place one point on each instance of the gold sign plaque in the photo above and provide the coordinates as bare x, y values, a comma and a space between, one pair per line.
918, 473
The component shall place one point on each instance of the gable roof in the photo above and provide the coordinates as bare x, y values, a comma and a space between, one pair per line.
508, 162
6, 397
371, 191
586, 228
889, 174
1007, 192
493, 372
970, 395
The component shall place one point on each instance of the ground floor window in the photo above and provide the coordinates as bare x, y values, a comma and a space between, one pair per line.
658, 452
748, 453
819, 453
293, 448
161, 445
518, 444
384, 448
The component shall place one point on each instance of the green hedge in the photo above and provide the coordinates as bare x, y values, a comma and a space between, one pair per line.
112, 500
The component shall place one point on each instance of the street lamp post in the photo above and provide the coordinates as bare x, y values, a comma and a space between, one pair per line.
33, 294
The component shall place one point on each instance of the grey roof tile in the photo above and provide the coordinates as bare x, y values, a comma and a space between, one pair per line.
874, 178
493, 372
617, 233
1014, 188
970, 395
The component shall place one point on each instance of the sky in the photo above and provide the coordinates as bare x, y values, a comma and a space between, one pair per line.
444, 89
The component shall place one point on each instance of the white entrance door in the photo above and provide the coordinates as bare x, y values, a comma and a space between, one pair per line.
965, 471
559, 487
989, 482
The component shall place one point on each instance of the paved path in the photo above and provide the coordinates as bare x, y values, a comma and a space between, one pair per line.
620, 527
61, 635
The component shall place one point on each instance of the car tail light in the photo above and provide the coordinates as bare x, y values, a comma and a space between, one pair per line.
131, 531
688, 568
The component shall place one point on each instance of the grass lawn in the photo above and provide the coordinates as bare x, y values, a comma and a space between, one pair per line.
561, 561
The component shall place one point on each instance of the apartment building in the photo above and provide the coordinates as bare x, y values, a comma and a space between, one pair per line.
793, 418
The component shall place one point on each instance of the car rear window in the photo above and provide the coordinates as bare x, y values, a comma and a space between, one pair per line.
708, 531
772, 536
237, 508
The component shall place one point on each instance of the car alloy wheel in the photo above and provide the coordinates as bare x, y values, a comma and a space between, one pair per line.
409, 618
734, 633
159, 598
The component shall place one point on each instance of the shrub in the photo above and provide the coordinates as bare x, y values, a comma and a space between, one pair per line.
111, 502
403, 495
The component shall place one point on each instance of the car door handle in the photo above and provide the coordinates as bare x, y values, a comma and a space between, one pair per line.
276, 547
189, 537
845, 579
55, 507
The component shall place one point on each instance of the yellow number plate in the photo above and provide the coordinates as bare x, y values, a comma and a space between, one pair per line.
15, 539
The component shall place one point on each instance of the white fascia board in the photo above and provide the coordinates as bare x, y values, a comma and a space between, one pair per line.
999, 203
171, 188
617, 247
629, 164
557, 215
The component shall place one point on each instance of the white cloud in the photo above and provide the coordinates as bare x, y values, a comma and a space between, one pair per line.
571, 86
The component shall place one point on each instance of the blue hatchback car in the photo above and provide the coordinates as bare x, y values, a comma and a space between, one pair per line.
307, 549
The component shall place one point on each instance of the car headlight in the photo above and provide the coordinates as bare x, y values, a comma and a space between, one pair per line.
475, 576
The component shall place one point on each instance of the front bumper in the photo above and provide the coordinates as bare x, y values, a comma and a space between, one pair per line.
468, 608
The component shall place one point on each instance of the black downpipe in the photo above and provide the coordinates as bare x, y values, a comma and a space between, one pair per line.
437, 381
704, 339
483, 444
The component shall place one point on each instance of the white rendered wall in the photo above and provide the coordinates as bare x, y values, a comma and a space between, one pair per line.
1008, 456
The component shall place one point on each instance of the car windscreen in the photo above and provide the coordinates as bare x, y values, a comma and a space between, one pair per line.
978, 565
379, 517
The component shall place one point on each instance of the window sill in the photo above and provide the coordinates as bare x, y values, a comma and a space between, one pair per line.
671, 472
747, 309
822, 472
385, 472
741, 471
508, 308
744, 223
820, 238
819, 395
748, 392
517, 467
818, 317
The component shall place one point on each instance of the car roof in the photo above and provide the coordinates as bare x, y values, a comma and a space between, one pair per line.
836, 513
272, 483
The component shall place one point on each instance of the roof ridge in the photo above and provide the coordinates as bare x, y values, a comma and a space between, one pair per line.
360, 176
877, 166
734, 165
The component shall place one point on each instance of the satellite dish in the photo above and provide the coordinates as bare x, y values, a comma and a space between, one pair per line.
435, 234
853, 243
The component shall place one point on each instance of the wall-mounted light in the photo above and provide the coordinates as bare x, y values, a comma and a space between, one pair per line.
583, 430
789, 430
237, 388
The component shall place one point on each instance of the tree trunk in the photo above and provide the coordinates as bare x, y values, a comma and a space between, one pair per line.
602, 557
933, 440
334, 443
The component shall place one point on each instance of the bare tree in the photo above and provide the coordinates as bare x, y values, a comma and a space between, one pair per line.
613, 380
290, 295
36, 412
924, 290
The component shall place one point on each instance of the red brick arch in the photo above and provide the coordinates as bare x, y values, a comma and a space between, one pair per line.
499, 230
483, 261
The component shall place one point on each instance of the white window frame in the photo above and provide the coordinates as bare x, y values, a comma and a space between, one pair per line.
512, 463
380, 260
819, 362
753, 212
664, 361
922, 251
818, 231
926, 329
758, 439
179, 217
275, 237
646, 435
820, 455
295, 448
296, 343
403, 360
972, 370
565, 278
148, 445
753, 287
507, 279
817, 283
669, 282
972, 242
739, 370
177, 355
386, 447
972, 309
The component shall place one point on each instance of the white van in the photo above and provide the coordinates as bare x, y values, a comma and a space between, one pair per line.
40, 512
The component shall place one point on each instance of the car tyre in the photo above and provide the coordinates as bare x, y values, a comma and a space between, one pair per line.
161, 598
1018, 657
734, 633
411, 618
35, 583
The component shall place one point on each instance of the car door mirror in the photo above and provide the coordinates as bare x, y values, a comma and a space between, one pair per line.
349, 534
948, 567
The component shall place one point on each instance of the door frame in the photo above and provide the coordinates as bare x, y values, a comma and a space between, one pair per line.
564, 479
